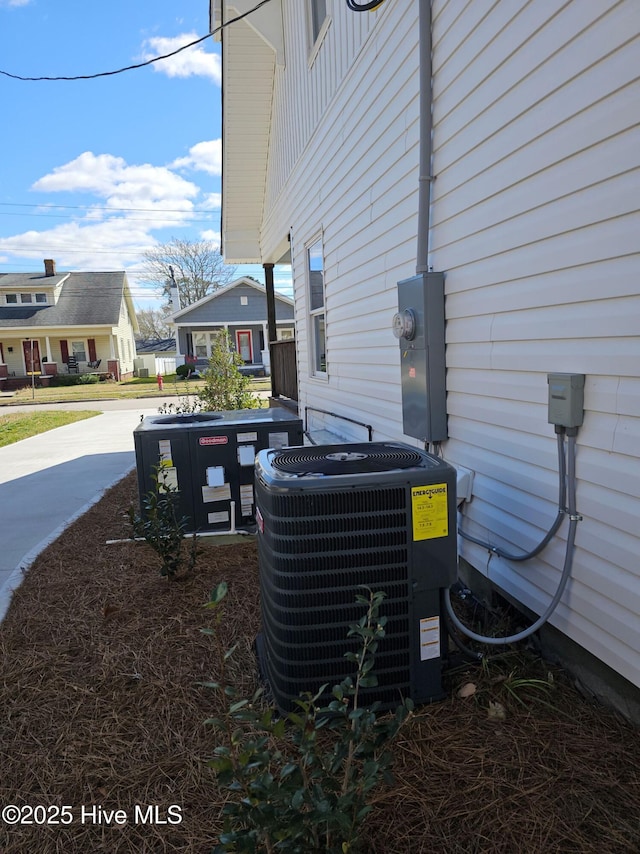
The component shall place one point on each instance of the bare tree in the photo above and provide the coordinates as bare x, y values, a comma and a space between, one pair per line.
197, 265
154, 323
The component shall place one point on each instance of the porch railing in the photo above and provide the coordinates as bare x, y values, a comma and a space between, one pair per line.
284, 371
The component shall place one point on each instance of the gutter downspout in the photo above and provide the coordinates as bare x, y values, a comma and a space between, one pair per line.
425, 178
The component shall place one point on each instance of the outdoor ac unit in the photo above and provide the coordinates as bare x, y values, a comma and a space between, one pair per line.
143, 372
208, 458
331, 519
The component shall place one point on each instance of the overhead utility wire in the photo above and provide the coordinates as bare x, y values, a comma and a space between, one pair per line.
148, 61
104, 208
187, 218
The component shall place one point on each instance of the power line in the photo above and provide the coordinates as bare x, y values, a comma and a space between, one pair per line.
140, 64
103, 208
185, 221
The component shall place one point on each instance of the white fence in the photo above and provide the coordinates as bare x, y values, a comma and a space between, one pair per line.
157, 364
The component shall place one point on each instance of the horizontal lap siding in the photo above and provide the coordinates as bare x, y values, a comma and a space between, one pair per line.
344, 161
536, 223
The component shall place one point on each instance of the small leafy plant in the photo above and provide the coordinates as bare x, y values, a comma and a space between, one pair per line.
303, 782
225, 386
161, 528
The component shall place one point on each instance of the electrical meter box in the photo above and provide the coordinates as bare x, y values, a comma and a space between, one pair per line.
207, 460
419, 325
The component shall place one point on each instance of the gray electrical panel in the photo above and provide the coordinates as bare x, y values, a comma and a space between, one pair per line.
419, 325
566, 399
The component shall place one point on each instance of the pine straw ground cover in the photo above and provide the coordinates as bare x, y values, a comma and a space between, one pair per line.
100, 660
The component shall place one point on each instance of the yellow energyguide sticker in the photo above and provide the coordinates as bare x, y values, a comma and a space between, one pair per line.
429, 507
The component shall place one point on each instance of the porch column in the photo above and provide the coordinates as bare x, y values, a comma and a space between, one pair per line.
112, 350
47, 345
271, 316
271, 301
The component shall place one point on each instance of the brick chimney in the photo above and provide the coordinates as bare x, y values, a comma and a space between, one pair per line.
49, 267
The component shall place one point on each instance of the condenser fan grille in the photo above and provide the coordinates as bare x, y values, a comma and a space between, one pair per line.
368, 458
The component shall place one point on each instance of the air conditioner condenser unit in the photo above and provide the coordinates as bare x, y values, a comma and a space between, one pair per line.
334, 518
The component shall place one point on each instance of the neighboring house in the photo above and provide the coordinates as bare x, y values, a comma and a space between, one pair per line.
155, 356
534, 221
241, 309
51, 322
156, 347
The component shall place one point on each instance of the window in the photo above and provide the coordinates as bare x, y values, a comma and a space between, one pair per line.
244, 300
25, 298
12, 299
79, 351
200, 345
318, 13
41, 298
315, 272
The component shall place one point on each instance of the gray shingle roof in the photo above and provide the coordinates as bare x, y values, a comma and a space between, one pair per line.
86, 299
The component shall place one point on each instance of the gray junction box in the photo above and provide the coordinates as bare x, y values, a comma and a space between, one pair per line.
420, 326
208, 457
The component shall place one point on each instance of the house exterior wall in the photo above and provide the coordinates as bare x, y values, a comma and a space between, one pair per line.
126, 342
534, 222
228, 308
15, 361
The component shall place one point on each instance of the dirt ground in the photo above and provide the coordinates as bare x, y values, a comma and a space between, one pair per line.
101, 709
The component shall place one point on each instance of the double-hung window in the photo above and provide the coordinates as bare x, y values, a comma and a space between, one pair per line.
317, 317
78, 349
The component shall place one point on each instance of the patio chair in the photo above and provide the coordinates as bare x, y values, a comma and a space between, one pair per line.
72, 365
94, 365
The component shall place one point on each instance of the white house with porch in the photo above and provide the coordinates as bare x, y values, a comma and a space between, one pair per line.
65, 322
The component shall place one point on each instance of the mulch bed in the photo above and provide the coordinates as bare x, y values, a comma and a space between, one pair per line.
100, 660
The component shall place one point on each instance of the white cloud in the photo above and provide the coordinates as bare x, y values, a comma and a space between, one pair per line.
211, 202
13, 3
203, 157
155, 191
191, 62
210, 234
131, 203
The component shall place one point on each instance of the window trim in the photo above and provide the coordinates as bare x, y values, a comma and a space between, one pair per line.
85, 350
316, 43
313, 313
16, 298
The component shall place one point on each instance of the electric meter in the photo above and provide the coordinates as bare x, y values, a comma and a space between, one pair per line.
404, 324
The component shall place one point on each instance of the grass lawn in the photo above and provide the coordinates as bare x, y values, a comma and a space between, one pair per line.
134, 388
15, 426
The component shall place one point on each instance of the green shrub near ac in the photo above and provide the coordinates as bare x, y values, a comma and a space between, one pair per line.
225, 386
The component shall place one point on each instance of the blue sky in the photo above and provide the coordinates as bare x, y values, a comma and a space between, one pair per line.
93, 172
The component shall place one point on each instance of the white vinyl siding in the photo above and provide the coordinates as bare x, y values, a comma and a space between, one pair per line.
535, 223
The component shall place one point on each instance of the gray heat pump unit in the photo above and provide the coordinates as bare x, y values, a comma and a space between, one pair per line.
330, 519
208, 458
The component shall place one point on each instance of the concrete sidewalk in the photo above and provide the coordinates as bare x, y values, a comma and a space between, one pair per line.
49, 480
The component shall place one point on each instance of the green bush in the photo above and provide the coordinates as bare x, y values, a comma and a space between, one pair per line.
225, 386
184, 371
89, 379
304, 784
66, 379
159, 526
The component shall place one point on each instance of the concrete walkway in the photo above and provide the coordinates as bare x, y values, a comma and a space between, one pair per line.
49, 480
